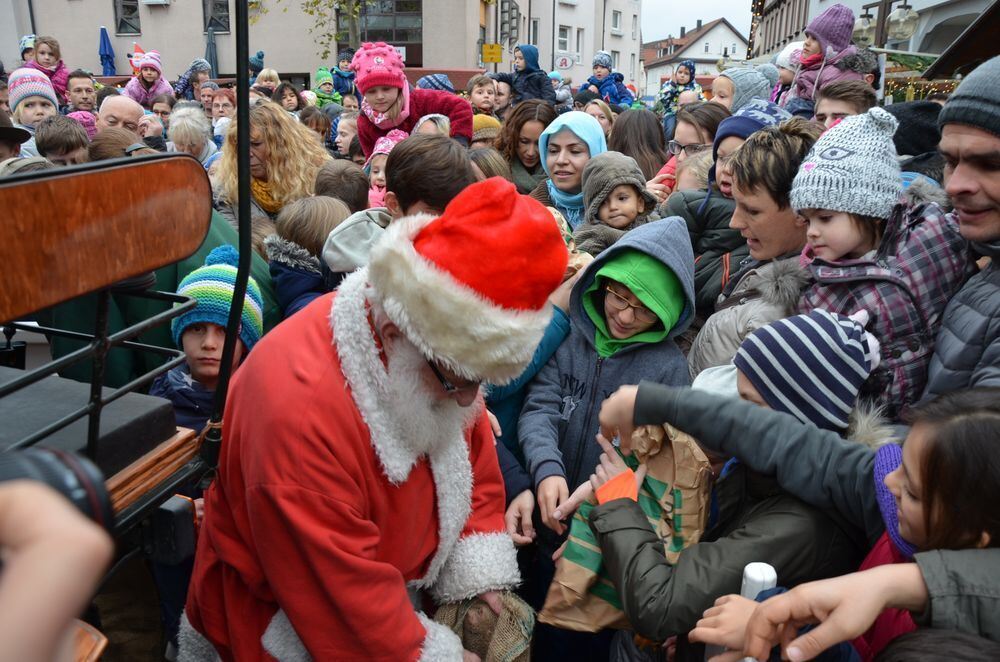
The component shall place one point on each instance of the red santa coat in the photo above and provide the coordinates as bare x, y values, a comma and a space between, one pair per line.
320, 518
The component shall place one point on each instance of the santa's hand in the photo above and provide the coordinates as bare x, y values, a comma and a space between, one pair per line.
470, 657
616, 416
492, 598
725, 623
552, 492
518, 518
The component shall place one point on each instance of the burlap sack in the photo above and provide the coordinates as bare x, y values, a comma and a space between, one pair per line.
675, 497
503, 638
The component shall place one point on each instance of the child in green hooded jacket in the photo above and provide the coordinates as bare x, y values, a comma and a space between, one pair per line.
324, 91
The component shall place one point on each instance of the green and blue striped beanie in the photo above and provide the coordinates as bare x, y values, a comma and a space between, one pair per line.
212, 287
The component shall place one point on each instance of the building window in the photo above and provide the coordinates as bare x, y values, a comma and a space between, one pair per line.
216, 14
732, 51
635, 26
534, 32
563, 43
579, 41
127, 17
706, 46
615, 57
631, 67
616, 20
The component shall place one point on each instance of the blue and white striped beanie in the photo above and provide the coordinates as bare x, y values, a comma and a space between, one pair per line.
811, 366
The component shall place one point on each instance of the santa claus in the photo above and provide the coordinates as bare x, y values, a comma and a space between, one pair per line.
358, 479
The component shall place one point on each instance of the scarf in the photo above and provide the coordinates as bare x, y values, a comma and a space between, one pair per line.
525, 179
262, 195
570, 204
382, 120
887, 459
810, 61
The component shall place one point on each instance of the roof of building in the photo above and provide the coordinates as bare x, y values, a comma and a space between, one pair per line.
683, 43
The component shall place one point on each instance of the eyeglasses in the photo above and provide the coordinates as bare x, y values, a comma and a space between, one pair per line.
676, 148
445, 383
618, 302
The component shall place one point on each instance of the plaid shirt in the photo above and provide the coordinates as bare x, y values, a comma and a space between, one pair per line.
920, 263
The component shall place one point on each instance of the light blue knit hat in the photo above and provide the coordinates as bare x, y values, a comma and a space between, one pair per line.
212, 286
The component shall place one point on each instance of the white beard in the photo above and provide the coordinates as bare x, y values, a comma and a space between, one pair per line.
417, 418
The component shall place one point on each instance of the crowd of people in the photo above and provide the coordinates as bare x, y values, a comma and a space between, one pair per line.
472, 300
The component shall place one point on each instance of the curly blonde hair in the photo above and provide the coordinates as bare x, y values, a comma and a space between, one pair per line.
294, 155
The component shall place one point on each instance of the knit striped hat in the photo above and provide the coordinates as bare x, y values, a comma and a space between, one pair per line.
811, 366
150, 59
436, 82
24, 83
212, 287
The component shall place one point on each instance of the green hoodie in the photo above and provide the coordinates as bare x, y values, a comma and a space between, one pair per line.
652, 282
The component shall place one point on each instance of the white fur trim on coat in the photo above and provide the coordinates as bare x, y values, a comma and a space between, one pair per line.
282, 642
366, 374
469, 334
479, 563
193, 646
440, 644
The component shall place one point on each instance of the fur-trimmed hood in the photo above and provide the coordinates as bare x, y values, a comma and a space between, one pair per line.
869, 426
923, 190
290, 254
780, 282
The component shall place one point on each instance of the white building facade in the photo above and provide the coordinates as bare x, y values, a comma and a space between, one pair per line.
707, 45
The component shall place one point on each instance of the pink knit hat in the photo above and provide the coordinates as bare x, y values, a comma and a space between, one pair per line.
377, 65
385, 144
832, 29
151, 59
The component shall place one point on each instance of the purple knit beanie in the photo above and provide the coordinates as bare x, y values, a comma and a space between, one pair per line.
832, 29
887, 459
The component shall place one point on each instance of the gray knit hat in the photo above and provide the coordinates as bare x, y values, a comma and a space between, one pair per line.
602, 59
852, 168
751, 83
976, 102
606, 171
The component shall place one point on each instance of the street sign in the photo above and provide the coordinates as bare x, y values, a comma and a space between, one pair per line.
492, 53
564, 62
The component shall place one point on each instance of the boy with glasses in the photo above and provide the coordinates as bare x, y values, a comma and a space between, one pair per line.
625, 312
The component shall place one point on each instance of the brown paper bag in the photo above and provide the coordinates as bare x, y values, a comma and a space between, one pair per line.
675, 497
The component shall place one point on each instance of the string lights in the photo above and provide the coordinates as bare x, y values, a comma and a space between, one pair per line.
756, 13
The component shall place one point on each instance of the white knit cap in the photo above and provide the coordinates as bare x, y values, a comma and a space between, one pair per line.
852, 168
788, 58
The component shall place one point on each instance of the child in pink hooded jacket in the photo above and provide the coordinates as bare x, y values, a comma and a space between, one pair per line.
828, 42
148, 83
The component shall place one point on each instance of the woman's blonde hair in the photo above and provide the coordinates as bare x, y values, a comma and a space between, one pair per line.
294, 155
606, 109
309, 221
268, 76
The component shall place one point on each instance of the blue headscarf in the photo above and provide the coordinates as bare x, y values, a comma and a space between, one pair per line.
530, 55
587, 129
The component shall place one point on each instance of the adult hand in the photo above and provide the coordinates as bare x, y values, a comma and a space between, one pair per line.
616, 416
725, 623
845, 608
560, 296
470, 657
661, 186
492, 598
552, 492
518, 518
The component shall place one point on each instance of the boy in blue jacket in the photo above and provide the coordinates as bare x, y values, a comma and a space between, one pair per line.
609, 83
529, 81
625, 313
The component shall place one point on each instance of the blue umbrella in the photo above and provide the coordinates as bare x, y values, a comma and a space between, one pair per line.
211, 56
107, 53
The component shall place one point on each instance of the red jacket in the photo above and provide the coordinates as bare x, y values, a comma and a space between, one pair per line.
891, 623
303, 522
422, 102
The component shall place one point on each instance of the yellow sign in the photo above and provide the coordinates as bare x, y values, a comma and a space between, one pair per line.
492, 53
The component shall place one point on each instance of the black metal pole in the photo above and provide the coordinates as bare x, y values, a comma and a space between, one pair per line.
213, 437
101, 348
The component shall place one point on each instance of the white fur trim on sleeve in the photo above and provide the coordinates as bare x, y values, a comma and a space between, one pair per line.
471, 335
193, 646
282, 642
478, 563
440, 644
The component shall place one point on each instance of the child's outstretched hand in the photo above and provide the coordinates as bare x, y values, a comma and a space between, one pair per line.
725, 624
552, 492
518, 518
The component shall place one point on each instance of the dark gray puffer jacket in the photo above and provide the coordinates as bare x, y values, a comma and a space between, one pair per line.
967, 350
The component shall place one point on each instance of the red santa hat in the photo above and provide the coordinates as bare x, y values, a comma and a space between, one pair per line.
470, 288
